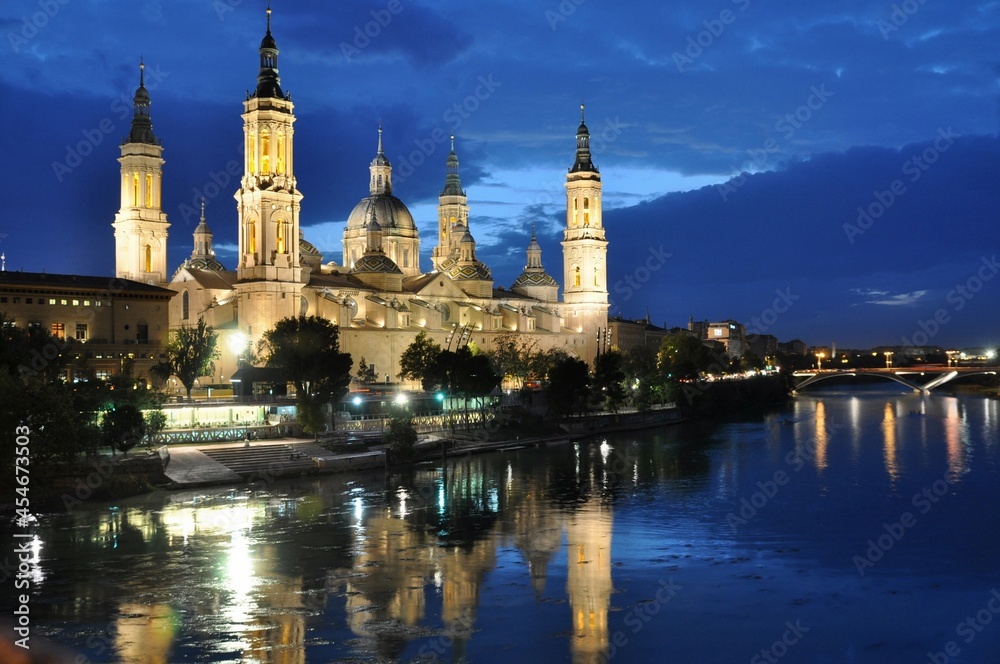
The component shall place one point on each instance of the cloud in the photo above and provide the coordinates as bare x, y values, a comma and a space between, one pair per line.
886, 299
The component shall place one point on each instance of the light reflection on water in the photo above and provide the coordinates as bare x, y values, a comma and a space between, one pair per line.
550, 552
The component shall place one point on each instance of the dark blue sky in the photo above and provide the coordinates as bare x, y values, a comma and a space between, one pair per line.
827, 109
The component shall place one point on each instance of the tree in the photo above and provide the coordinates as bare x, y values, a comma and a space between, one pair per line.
512, 356
401, 436
569, 386
418, 360
308, 349
189, 352
683, 357
609, 379
123, 427
642, 377
366, 372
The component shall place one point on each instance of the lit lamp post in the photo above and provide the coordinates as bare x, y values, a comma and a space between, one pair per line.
819, 361
952, 358
888, 358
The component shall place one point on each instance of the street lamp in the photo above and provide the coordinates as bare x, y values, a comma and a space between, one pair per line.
819, 361
888, 358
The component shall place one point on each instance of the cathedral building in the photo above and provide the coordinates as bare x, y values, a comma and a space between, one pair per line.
378, 294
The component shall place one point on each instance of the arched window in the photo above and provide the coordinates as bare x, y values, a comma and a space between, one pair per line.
148, 259
135, 190
586, 211
149, 190
281, 153
576, 212
265, 151
597, 276
185, 304
280, 236
252, 240
576, 276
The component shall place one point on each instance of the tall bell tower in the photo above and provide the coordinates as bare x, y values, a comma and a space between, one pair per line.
268, 272
585, 249
453, 209
141, 225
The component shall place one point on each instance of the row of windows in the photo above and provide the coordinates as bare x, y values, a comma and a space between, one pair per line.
51, 300
265, 152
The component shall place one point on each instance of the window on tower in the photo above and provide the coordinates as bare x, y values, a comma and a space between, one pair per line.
135, 190
252, 239
148, 259
281, 153
280, 236
597, 276
149, 190
265, 151
576, 212
576, 276
251, 150
185, 305
586, 211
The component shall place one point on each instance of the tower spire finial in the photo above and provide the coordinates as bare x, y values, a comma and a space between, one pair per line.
582, 107
269, 17
142, 72
202, 209
380, 136
532, 230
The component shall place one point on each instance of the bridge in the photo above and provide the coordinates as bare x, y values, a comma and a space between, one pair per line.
933, 375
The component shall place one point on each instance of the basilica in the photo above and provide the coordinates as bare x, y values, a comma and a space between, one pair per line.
378, 294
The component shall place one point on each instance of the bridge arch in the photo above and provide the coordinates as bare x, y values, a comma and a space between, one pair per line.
818, 377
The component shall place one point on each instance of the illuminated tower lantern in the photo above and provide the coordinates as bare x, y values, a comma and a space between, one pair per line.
585, 249
141, 225
269, 274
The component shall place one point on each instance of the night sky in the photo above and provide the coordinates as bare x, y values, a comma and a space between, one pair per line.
824, 170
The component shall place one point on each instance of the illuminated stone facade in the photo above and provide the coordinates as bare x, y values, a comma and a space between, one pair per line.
378, 295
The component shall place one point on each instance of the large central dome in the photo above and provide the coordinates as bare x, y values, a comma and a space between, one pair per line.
399, 238
390, 213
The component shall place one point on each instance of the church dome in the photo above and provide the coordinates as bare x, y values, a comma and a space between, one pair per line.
375, 263
535, 279
390, 212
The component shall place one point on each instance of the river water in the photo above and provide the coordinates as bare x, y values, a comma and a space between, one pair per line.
851, 526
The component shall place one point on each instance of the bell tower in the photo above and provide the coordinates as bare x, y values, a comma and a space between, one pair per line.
453, 209
585, 249
268, 200
141, 225
268, 273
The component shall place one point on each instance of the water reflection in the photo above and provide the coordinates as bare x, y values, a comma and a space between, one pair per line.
416, 565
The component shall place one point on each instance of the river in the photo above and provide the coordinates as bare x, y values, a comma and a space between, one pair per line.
859, 525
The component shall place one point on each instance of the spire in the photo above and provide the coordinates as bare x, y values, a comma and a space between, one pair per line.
534, 253
583, 162
381, 170
142, 125
268, 81
452, 181
202, 237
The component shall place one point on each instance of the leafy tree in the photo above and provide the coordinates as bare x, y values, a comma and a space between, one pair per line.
401, 436
512, 356
366, 372
418, 360
609, 379
123, 427
189, 352
543, 362
569, 386
642, 377
682, 357
308, 349
156, 421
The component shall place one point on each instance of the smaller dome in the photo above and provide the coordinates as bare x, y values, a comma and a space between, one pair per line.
375, 263
268, 42
535, 279
390, 212
470, 272
467, 238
